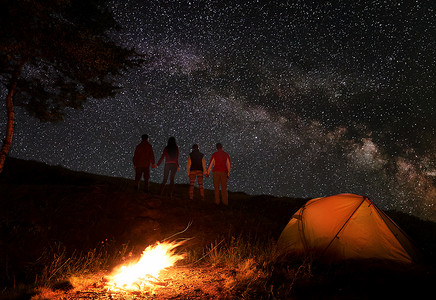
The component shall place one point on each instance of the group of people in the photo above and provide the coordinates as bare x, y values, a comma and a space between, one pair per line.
219, 164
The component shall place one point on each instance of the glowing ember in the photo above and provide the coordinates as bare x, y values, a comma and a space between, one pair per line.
136, 276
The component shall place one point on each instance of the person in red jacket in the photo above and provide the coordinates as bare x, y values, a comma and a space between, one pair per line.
143, 158
220, 161
171, 156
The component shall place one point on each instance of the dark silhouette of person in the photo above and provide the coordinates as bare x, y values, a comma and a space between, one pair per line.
143, 158
171, 156
220, 161
195, 168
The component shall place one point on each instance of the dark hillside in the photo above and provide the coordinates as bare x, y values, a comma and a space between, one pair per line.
44, 205
49, 212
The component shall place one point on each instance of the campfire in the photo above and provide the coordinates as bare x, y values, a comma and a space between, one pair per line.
144, 273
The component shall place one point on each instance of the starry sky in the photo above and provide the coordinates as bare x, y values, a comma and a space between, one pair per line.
309, 98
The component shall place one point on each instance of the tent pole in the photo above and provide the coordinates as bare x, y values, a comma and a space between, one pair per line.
352, 214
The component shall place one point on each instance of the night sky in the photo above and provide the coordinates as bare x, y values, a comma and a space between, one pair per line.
309, 99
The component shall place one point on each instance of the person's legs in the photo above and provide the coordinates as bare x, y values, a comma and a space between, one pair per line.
173, 170
216, 186
200, 184
146, 172
191, 185
224, 189
138, 175
220, 178
165, 178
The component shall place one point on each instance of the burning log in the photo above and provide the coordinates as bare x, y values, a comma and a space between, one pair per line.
144, 273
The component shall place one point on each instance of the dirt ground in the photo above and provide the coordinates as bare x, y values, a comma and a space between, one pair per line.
149, 218
185, 282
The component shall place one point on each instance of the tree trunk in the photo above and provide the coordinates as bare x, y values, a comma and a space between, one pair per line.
11, 117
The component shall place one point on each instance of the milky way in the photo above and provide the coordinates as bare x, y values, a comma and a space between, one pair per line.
309, 99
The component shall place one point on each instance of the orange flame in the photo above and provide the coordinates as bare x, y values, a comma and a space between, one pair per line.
136, 276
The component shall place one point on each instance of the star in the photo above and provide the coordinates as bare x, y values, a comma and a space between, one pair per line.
309, 99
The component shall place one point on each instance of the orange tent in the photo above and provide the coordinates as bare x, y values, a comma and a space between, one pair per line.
345, 226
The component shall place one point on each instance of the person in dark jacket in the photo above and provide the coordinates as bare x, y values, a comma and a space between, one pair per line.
143, 158
196, 167
171, 156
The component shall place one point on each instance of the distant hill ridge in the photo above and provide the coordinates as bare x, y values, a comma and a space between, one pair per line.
20, 171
